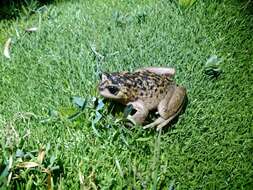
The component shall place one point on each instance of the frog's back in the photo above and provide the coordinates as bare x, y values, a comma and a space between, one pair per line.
149, 87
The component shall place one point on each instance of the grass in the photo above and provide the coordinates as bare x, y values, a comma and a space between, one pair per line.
210, 147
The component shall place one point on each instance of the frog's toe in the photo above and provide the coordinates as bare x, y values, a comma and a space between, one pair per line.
165, 122
155, 123
151, 125
131, 119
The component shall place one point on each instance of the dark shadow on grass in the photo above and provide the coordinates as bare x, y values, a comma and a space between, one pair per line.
248, 6
12, 9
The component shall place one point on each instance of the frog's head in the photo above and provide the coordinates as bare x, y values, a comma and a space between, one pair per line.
112, 86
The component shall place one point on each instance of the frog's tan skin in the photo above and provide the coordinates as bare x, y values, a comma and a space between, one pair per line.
146, 89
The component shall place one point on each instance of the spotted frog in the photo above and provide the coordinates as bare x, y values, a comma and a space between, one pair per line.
146, 89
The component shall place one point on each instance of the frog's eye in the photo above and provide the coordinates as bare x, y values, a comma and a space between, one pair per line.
113, 90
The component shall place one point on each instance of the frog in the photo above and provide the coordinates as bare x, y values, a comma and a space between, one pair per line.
146, 89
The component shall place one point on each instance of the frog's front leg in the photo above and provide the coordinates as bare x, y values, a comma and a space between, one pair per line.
141, 112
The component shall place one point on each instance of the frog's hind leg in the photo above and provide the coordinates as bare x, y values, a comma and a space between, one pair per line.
162, 109
160, 70
167, 121
172, 105
169, 107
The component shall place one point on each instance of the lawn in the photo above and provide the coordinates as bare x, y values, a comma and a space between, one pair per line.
209, 147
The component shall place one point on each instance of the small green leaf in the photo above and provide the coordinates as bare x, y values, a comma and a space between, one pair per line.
19, 153
128, 109
213, 60
80, 102
53, 113
98, 117
100, 104
212, 66
94, 129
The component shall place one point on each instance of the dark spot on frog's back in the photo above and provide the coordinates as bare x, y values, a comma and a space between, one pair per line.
146, 78
144, 88
134, 84
151, 87
139, 81
129, 85
156, 79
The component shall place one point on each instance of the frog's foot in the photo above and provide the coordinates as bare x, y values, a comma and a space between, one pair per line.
170, 107
160, 122
165, 122
131, 119
157, 122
